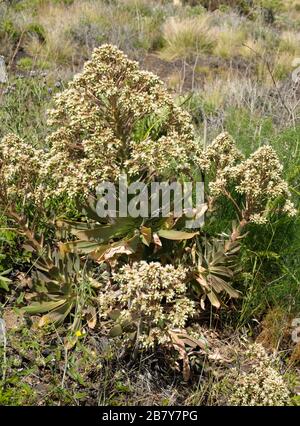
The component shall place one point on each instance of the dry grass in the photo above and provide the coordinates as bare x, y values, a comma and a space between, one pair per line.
73, 30
229, 42
234, 91
290, 42
228, 36
64, 35
187, 38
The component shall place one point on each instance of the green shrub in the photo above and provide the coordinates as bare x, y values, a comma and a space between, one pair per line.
26, 63
113, 119
37, 30
24, 106
8, 27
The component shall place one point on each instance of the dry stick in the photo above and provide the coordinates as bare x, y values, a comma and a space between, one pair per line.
274, 82
183, 76
194, 72
279, 93
204, 130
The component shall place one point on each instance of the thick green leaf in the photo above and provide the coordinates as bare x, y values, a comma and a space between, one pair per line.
171, 234
114, 314
56, 315
40, 307
214, 299
4, 281
116, 331
83, 246
4, 284
146, 235
223, 285
221, 270
104, 233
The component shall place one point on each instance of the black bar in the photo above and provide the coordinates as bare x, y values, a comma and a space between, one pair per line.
92, 416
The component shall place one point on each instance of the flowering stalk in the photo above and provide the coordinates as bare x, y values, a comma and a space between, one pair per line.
258, 179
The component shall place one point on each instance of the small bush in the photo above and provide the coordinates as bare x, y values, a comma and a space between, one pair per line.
261, 385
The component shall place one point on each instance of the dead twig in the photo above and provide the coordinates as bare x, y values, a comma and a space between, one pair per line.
266, 62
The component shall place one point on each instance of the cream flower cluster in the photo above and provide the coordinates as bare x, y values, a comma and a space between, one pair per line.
95, 121
19, 170
221, 154
219, 159
258, 178
154, 296
261, 385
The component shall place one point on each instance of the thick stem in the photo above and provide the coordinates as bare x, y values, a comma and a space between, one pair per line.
229, 196
236, 233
